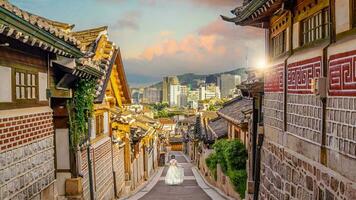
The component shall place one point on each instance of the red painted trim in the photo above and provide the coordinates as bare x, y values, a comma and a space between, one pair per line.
300, 74
342, 74
274, 79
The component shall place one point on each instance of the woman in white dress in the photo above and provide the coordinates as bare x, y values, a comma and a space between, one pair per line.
175, 173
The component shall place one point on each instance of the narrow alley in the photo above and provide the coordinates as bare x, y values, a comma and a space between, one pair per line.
193, 187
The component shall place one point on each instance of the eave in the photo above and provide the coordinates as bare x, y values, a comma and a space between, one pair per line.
254, 13
13, 26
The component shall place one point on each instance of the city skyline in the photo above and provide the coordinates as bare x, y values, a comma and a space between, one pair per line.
193, 36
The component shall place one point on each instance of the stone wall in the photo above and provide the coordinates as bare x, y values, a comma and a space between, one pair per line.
27, 152
289, 175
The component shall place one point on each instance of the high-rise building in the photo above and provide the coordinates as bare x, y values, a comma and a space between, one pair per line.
208, 91
167, 81
151, 95
183, 97
174, 95
193, 98
227, 84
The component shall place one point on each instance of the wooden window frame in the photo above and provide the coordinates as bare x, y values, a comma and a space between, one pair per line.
26, 83
353, 14
315, 27
279, 44
99, 124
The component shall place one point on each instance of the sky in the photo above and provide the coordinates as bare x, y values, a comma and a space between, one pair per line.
162, 37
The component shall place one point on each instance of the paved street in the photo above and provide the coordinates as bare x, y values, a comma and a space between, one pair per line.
193, 186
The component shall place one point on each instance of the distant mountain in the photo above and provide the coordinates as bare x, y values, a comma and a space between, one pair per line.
191, 78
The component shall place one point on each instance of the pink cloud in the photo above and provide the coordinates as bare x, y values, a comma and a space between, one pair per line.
218, 46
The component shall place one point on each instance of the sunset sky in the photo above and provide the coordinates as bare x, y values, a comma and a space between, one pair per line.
162, 37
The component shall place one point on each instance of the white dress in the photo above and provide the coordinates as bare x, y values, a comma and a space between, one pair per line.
175, 173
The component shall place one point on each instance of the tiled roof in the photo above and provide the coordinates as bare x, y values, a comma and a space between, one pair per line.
234, 109
58, 29
209, 114
88, 37
175, 139
218, 128
166, 121
190, 120
104, 52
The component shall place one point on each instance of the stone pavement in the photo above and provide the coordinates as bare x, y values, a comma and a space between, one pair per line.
193, 187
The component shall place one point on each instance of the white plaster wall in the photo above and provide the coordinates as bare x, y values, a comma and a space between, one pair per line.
5, 86
62, 148
106, 122
42, 86
342, 15
307, 53
345, 45
93, 129
295, 38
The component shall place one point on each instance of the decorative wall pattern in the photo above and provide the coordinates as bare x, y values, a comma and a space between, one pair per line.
342, 74
341, 125
300, 75
274, 79
104, 181
273, 110
304, 117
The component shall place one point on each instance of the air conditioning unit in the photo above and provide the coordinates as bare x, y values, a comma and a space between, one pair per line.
319, 86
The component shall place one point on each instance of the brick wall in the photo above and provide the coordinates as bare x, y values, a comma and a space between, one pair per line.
101, 168
118, 159
85, 173
27, 152
304, 117
103, 171
273, 110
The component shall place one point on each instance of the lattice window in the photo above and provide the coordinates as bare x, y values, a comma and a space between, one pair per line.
25, 85
99, 122
279, 44
315, 27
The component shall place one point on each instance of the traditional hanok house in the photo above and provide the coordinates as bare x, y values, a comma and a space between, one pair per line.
107, 150
237, 113
169, 125
30, 98
309, 102
217, 129
154, 140
142, 140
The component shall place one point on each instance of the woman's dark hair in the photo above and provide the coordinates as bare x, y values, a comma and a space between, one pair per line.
173, 156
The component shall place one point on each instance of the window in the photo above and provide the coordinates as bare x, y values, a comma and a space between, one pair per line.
26, 85
353, 13
315, 27
279, 44
99, 122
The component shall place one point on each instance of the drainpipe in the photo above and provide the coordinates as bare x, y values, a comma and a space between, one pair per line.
91, 183
258, 166
332, 39
254, 136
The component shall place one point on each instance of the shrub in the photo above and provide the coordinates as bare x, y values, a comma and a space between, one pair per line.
235, 155
219, 149
239, 179
212, 161
232, 156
